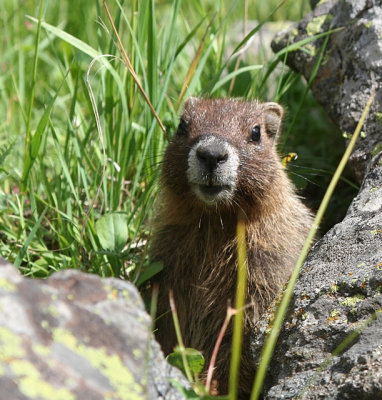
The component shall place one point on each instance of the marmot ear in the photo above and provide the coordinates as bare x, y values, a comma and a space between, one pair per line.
273, 116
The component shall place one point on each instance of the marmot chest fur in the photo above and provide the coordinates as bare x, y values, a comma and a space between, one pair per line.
222, 161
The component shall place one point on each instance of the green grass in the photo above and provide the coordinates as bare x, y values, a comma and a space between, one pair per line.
80, 149
62, 168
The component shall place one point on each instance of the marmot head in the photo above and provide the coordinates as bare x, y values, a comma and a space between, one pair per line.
223, 149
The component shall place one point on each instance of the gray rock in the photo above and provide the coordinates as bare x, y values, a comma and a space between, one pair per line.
77, 336
343, 81
337, 295
330, 346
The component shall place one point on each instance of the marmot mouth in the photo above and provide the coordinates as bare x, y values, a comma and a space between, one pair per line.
213, 193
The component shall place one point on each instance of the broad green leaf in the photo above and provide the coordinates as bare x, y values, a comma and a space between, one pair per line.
112, 231
194, 358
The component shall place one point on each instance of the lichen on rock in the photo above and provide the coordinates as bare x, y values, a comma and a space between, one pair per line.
77, 336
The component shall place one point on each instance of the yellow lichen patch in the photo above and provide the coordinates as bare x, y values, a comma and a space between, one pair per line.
314, 27
126, 295
352, 301
378, 117
137, 353
375, 189
108, 288
53, 311
113, 294
110, 365
41, 350
10, 345
333, 288
30, 383
26, 375
44, 324
6, 285
293, 33
334, 313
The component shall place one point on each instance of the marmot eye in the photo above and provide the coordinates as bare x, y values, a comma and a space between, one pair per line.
256, 133
183, 127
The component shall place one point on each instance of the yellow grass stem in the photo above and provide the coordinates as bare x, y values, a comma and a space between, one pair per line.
237, 338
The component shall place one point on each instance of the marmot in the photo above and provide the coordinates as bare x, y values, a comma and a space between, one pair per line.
223, 160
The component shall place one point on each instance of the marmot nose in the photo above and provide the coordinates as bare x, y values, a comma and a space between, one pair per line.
211, 156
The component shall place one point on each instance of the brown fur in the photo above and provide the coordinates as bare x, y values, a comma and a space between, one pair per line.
197, 242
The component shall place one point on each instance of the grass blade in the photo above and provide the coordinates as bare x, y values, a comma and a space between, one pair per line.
290, 48
35, 143
194, 63
67, 37
307, 88
179, 338
129, 66
152, 55
234, 74
189, 36
29, 239
170, 35
34, 76
241, 290
255, 30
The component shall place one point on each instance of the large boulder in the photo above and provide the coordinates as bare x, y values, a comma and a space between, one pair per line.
353, 54
330, 346
77, 336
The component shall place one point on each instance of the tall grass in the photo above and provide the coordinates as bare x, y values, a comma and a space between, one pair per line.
78, 139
